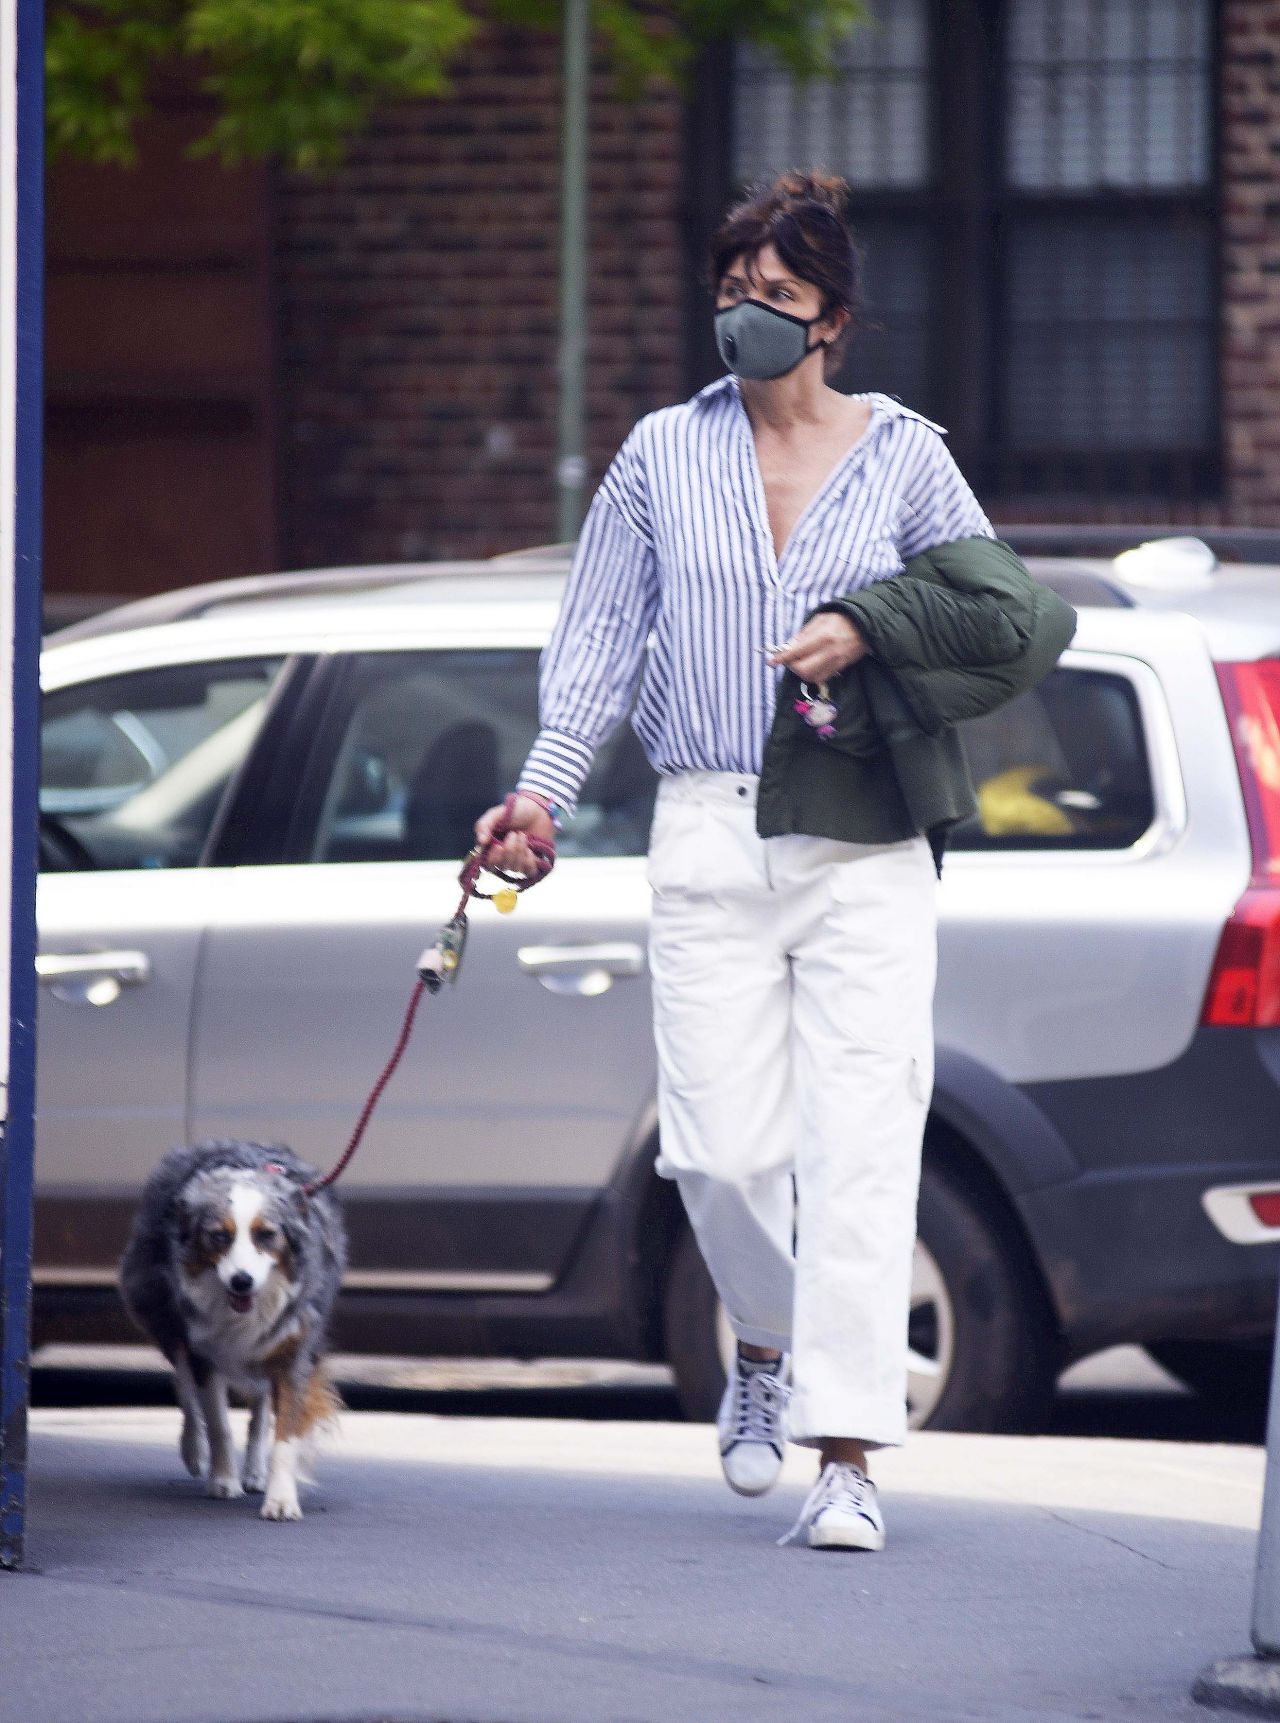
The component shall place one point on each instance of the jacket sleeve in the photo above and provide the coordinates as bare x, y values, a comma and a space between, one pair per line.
592, 665
913, 621
963, 629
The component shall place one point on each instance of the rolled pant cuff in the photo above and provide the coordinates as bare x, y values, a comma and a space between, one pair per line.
760, 1336
809, 1424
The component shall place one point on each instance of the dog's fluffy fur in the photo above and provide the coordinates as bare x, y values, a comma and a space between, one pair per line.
232, 1270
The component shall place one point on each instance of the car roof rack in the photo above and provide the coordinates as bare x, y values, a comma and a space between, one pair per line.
1082, 587
185, 604
1089, 539
1032, 539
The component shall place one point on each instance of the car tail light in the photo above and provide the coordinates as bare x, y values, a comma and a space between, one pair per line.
1244, 986
1266, 1205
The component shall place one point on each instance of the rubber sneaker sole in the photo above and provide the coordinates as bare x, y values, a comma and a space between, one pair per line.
846, 1535
757, 1474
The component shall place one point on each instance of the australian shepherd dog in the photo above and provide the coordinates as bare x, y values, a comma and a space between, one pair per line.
232, 1270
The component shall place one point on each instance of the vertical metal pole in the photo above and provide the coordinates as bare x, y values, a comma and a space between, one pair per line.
571, 460
1266, 1582
21, 325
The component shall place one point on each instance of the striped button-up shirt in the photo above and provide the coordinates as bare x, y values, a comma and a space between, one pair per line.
676, 555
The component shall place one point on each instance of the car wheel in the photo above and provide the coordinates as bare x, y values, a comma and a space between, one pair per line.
694, 1331
985, 1332
1231, 1374
981, 1351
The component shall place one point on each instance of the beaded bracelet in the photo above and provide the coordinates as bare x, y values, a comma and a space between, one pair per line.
554, 809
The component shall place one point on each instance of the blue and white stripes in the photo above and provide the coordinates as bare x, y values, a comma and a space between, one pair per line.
676, 552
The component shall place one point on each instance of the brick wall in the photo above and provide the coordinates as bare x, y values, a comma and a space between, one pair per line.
417, 322
1251, 261
417, 299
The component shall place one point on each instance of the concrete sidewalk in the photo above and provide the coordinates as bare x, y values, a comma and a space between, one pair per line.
504, 1571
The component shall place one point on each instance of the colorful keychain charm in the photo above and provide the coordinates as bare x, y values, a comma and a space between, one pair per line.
818, 710
442, 961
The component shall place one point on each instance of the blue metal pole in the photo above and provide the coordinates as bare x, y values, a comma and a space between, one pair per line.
17, 1142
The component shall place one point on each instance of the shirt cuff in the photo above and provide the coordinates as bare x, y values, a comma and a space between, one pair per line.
556, 768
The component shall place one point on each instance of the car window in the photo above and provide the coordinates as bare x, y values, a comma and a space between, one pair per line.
134, 767
426, 741
1062, 767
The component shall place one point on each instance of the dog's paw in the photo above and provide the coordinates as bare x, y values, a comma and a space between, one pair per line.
225, 1487
282, 1505
254, 1478
194, 1447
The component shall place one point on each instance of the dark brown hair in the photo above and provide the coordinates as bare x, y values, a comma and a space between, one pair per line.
805, 217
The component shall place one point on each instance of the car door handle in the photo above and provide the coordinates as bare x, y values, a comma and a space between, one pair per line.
587, 970
92, 977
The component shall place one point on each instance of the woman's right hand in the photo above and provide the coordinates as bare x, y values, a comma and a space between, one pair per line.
512, 853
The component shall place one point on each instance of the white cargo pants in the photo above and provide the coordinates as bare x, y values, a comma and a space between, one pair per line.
793, 989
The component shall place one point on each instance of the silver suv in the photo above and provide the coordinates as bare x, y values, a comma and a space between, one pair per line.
255, 800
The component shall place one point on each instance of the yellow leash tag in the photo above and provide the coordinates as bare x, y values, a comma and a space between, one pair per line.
505, 898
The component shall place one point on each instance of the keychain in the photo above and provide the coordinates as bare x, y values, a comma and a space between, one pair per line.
818, 710
441, 962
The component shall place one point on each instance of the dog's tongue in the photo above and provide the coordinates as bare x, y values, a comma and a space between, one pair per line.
241, 1301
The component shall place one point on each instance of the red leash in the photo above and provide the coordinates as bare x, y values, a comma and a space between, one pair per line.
440, 963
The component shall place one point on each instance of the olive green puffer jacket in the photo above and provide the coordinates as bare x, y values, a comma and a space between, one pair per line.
961, 630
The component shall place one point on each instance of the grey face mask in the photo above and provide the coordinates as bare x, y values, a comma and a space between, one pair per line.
758, 341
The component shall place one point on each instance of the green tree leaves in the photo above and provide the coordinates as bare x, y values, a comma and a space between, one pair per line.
295, 79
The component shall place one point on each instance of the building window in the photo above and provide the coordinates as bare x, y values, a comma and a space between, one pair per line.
871, 124
1035, 190
871, 117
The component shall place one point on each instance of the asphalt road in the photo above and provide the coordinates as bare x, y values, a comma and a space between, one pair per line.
1120, 1393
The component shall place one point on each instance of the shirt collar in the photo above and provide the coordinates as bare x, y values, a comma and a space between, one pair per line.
886, 405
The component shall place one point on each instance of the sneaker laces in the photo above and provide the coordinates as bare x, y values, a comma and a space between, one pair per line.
760, 1401
842, 1485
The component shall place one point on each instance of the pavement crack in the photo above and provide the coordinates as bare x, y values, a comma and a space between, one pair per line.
1093, 1532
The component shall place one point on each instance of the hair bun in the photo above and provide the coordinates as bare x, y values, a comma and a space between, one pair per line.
829, 190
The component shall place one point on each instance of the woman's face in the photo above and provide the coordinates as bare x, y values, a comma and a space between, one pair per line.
768, 279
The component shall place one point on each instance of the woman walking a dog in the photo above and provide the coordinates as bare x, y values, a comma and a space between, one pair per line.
807, 563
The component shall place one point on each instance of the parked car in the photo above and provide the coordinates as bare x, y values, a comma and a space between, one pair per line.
256, 796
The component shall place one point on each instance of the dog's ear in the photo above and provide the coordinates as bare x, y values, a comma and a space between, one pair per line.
183, 1218
295, 1220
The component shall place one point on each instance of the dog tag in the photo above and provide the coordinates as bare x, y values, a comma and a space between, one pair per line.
505, 899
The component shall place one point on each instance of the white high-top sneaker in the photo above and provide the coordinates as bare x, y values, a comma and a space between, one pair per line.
750, 1423
840, 1512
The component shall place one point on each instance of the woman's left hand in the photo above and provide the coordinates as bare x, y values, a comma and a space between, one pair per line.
827, 644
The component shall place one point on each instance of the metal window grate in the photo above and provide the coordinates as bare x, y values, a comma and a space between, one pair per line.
868, 123
1037, 196
1110, 334
1109, 93
893, 356
1106, 316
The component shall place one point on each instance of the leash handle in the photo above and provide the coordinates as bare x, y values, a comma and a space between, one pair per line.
544, 855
